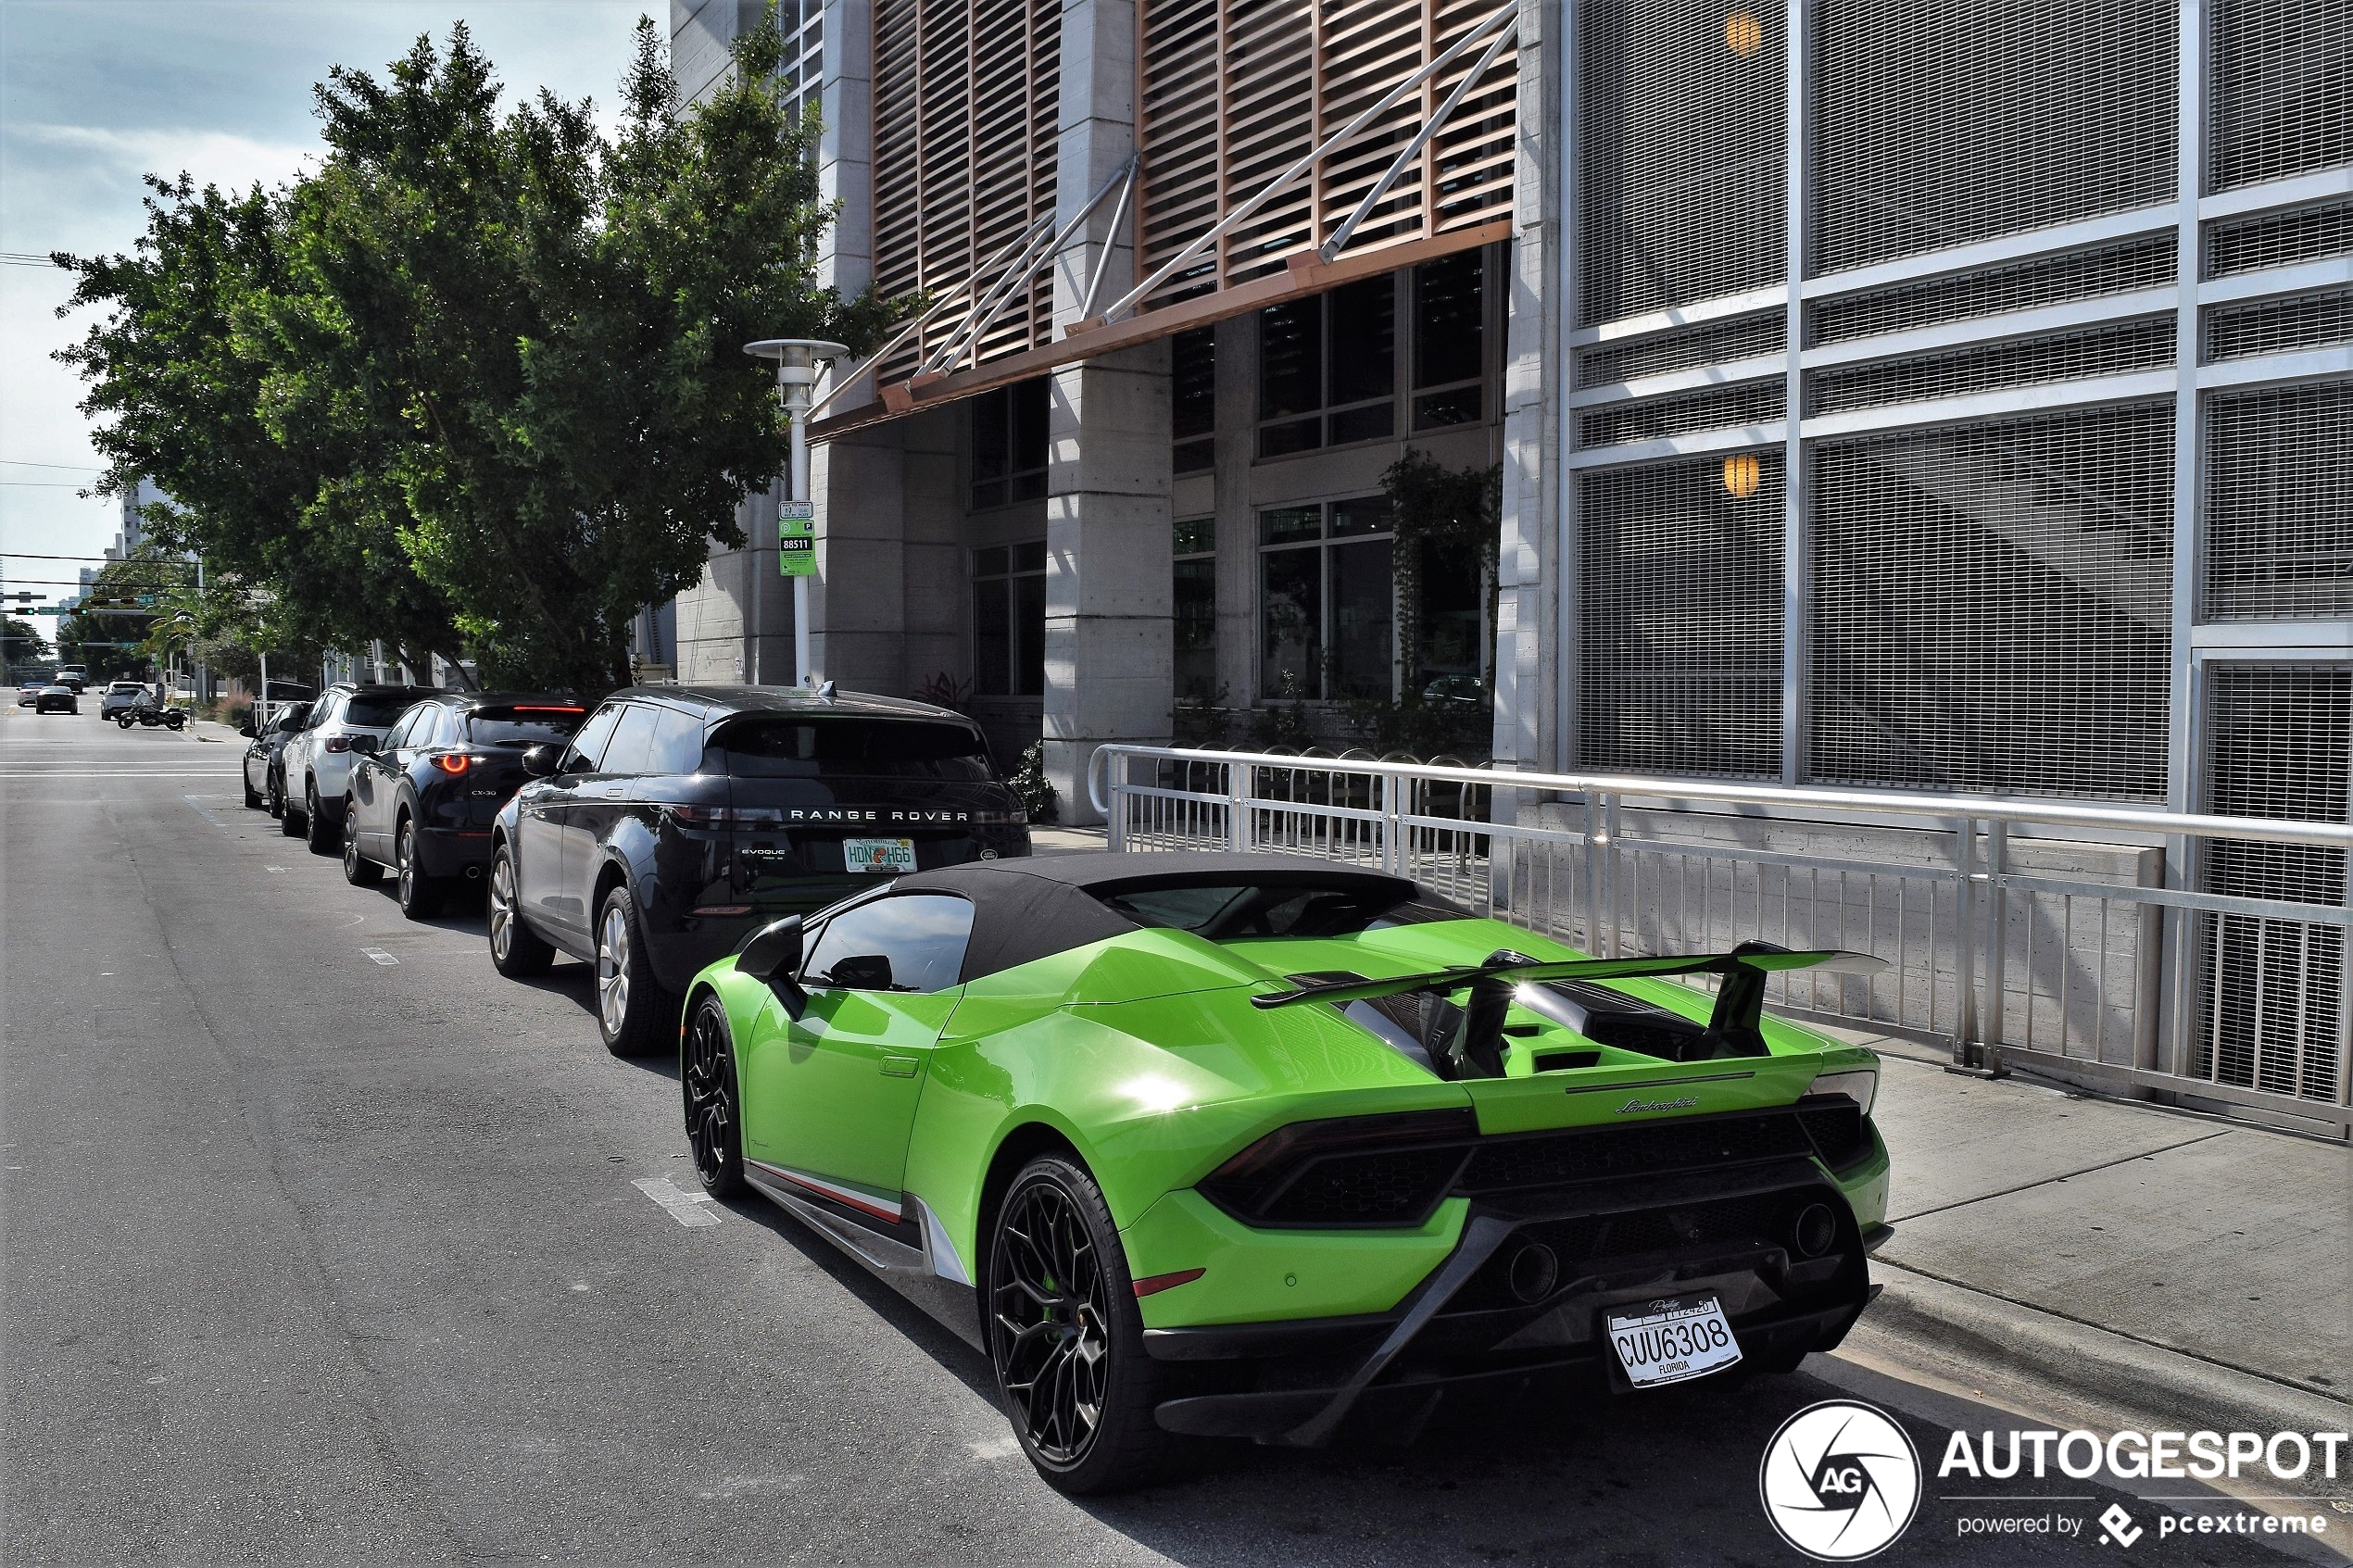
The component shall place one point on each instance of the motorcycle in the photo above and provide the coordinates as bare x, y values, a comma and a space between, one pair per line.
148, 715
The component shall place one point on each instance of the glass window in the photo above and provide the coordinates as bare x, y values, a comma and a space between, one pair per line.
783, 747
525, 723
588, 746
677, 744
376, 711
1363, 619
632, 748
1291, 608
1195, 604
1284, 910
1192, 399
919, 936
1009, 437
1009, 619
1291, 357
400, 734
1364, 340
1449, 662
1328, 620
1450, 318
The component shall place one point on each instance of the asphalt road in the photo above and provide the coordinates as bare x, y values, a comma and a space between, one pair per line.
322, 1243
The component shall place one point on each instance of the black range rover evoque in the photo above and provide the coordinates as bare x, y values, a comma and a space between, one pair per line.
679, 819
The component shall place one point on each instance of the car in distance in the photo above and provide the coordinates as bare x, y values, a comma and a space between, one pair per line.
425, 801
265, 783
347, 720
29, 693
1246, 1145
681, 818
120, 697
55, 699
74, 677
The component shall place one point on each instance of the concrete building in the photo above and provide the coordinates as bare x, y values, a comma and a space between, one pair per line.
2063, 509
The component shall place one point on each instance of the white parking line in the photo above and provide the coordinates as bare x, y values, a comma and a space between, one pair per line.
201, 811
686, 1208
379, 955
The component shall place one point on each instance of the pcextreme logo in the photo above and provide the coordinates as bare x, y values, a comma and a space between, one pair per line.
1840, 1481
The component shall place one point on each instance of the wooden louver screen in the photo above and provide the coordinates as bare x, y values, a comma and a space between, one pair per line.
966, 97
1225, 109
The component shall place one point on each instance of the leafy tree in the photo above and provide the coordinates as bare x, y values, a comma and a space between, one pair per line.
485, 366
21, 642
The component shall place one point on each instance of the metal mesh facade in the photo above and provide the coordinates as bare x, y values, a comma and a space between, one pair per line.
2279, 326
1682, 618
2279, 503
1682, 127
1648, 419
1710, 343
1942, 122
2279, 239
1990, 607
2279, 743
2282, 87
2135, 265
2063, 356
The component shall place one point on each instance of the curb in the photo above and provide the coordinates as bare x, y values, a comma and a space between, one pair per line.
1960, 1334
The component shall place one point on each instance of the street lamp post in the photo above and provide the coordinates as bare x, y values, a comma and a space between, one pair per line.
796, 360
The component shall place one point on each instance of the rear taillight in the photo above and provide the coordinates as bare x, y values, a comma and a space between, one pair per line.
453, 762
1348, 1172
338, 743
727, 816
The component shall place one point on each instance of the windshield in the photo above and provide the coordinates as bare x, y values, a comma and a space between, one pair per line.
846, 748
523, 724
1231, 910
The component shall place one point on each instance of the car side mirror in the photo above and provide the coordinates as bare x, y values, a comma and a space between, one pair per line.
247, 730
863, 971
542, 760
772, 953
365, 746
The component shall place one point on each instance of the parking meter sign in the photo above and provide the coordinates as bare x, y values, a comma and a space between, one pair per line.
797, 544
798, 512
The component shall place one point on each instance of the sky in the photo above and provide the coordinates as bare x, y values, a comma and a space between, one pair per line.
95, 92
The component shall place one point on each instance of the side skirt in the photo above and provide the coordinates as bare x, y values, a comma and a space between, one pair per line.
927, 1272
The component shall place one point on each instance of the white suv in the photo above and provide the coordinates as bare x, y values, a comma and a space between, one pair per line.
316, 761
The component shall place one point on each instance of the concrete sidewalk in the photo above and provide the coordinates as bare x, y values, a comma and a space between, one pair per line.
2147, 1266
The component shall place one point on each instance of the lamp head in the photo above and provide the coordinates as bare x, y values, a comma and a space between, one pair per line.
797, 357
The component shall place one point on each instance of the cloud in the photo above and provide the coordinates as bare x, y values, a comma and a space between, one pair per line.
214, 158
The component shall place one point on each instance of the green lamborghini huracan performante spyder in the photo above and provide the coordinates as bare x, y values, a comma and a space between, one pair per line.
1247, 1145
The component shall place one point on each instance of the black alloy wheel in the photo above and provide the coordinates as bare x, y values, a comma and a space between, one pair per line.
317, 830
420, 896
516, 951
706, 1084
632, 1008
1065, 1337
273, 795
357, 870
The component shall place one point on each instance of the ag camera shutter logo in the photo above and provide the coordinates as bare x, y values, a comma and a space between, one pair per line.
1841, 1481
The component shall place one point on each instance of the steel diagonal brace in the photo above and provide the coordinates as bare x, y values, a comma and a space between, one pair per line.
1031, 259
1484, 1235
1436, 122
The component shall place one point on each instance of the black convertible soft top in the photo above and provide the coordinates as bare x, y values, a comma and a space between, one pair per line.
1031, 909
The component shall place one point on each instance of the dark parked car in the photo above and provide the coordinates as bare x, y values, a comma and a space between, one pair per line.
680, 819
347, 722
423, 802
265, 780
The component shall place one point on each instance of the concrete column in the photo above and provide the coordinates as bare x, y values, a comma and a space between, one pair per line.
1110, 649
1110, 637
1529, 572
1095, 134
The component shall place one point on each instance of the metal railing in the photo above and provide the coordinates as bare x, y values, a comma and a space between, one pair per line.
2029, 933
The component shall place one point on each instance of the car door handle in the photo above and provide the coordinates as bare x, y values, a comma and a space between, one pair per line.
898, 1066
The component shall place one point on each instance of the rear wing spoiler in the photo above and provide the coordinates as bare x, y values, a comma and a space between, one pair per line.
1477, 1046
